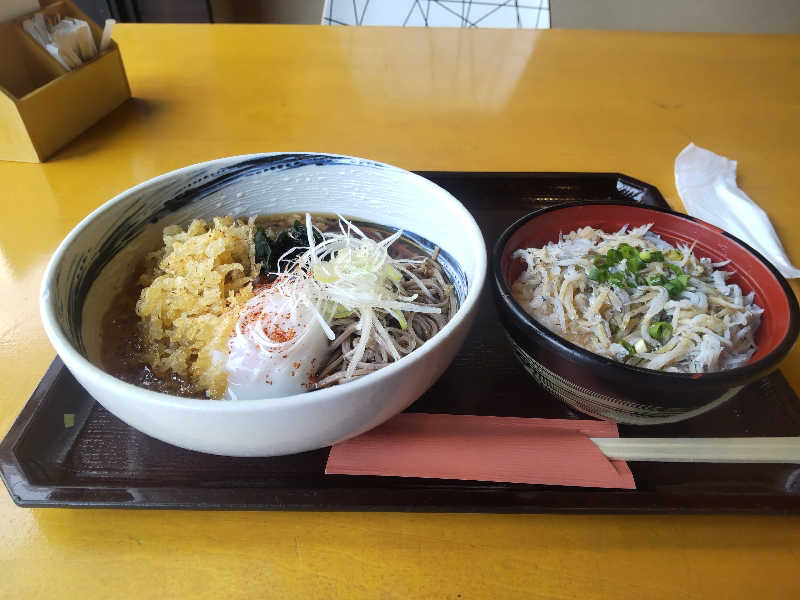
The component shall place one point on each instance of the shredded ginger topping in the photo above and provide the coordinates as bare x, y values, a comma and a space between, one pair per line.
347, 274
632, 297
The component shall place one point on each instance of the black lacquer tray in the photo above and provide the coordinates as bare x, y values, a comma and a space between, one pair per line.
100, 461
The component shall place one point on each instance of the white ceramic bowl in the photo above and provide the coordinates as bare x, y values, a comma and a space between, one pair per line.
94, 259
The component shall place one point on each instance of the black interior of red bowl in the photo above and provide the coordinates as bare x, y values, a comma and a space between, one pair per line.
751, 271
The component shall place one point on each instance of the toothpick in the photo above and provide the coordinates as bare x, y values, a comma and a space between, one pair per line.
105, 40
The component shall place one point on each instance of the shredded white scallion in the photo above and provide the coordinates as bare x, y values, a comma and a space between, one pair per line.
347, 272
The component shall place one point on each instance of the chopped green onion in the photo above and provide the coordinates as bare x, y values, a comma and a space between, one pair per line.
69, 420
651, 256
657, 280
670, 286
598, 275
600, 261
660, 330
392, 273
617, 279
674, 255
674, 287
641, 279
628, 347
398, 315
324, 272
640, 346
614, 330
674, 268
613, 257
627, 251
684, 279
341, 312
632, 265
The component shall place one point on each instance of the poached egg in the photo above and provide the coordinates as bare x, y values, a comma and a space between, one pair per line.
275, 349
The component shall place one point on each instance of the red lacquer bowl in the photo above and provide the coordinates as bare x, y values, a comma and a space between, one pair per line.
609, 389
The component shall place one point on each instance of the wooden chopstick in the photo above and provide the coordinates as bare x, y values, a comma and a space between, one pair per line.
719, 450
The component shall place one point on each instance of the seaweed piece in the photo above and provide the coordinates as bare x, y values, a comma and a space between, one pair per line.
263, 249
268, 251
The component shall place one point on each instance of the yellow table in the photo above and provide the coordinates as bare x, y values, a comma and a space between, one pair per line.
421, 99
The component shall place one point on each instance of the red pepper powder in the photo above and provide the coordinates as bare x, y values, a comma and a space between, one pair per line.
278, 334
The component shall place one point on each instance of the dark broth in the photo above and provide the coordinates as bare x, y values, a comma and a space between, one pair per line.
123, 345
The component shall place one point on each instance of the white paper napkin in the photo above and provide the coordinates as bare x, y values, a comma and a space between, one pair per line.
706, 183
68, 40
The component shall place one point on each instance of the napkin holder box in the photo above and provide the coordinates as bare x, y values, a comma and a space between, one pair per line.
43, 105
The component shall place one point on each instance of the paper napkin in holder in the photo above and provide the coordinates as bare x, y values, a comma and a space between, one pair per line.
706, 183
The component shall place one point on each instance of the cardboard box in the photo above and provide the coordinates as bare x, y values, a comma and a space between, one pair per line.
43, 106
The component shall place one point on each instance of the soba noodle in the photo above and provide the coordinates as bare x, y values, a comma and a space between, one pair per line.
423, 276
